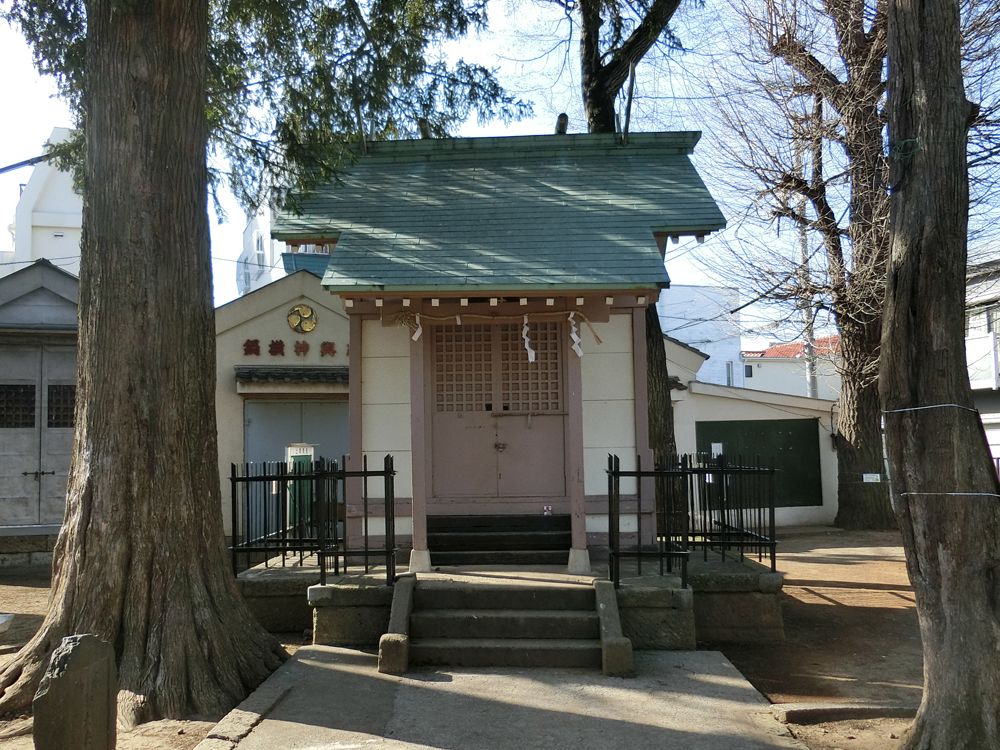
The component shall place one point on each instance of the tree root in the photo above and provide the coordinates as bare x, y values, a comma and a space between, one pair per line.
19, 679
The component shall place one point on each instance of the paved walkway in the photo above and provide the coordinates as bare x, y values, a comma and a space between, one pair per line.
326, 697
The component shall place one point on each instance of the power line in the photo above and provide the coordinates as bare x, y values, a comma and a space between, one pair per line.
26, 163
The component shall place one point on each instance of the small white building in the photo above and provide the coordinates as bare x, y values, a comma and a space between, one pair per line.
701, 316
260, 260
282, 356
38, 323
781, 368
794, 431
47, 220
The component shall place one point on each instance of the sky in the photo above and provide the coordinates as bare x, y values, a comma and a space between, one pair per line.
34, 109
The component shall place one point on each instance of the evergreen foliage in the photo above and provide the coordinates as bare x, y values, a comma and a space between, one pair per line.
290, 83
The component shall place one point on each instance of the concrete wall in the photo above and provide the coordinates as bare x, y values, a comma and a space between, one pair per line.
262, 315
789, 376
704, 402
385, 402
608, 410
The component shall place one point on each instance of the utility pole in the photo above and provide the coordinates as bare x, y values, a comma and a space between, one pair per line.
810, 130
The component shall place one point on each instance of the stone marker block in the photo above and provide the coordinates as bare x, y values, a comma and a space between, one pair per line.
76, 704
393, 653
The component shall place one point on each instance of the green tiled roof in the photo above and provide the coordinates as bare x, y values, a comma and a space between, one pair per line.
573, 211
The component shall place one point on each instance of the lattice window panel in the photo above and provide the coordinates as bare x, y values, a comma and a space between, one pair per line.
463, 368
62, 406
531, 386
17, 406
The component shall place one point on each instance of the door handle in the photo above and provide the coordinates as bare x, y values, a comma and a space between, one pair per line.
499, 447
36, 474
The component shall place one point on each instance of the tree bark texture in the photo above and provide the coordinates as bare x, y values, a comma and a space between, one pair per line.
661, 409
861, 505
141, 558
945, 490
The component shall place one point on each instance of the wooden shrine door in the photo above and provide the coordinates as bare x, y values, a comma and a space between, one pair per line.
497, 419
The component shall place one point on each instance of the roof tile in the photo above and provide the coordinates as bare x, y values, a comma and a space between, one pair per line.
562, 210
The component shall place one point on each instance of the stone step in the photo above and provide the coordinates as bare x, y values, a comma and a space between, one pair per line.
537, 522
504, 623
448, 541
507, 652
449, 595
501, 557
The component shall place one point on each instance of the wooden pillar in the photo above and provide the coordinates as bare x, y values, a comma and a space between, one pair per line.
418, 440
641, 406
579, 559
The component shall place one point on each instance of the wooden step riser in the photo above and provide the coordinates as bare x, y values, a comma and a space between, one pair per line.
565, 624
437, 524
501, 557
503, 597
499, 540
505, 654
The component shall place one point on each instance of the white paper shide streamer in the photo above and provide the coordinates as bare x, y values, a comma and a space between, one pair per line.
574, 334
527, 342
420, 329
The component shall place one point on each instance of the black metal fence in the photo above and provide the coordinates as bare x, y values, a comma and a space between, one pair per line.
700, 502
283, 512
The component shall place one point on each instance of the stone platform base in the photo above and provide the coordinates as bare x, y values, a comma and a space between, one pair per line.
277, 596
726, 602
656, 617
351, 612
33, 550
736, 602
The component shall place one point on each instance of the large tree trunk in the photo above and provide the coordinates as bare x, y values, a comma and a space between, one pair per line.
598, 97
860, 504
945, 490
140, 560
602, 73
661, 408
856, 284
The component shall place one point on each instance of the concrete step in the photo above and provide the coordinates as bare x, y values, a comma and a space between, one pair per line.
448, 595
508, 652
447, 541
504, 623
498, 523
501, 557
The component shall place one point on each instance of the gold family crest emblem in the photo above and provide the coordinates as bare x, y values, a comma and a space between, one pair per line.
302, 318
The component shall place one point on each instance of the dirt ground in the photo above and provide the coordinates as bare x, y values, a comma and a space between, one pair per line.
850, 625
851, 631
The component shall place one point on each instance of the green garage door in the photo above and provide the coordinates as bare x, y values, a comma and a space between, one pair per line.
793, 444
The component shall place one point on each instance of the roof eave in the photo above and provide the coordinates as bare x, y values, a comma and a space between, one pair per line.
480, 289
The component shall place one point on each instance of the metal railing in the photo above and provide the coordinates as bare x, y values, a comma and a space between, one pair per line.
731, 504
665, 541
711, 503
280, 512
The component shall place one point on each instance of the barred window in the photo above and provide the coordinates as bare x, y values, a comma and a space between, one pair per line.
17, 406
62, 406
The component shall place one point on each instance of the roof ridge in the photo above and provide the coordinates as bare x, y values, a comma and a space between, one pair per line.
517, 146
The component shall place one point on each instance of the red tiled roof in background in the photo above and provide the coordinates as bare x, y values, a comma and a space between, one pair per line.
824, 346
